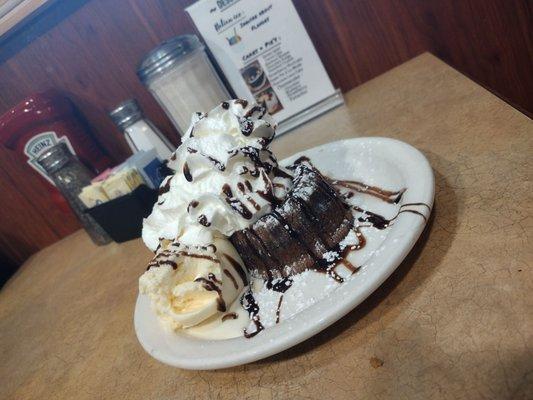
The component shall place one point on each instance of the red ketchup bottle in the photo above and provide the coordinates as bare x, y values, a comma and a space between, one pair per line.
43, 120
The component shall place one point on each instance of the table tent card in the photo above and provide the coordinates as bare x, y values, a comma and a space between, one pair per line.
267, 56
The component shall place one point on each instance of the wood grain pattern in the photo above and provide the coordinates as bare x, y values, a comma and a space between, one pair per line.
90, 49
490, 41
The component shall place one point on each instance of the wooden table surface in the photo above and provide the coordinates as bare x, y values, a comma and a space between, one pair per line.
455, 320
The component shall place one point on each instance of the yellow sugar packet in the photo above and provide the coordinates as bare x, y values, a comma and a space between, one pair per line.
93, 195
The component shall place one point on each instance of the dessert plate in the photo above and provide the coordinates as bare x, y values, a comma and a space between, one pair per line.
376, 161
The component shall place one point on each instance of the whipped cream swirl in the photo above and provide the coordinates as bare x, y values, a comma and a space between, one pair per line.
225, 177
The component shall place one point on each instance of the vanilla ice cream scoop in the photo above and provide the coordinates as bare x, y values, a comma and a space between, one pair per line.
187, 285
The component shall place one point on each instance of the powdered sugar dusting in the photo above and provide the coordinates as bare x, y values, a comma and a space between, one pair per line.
307, 288
330, 256
349, 240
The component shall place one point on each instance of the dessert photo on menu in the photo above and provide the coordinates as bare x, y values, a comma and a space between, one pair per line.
257, 199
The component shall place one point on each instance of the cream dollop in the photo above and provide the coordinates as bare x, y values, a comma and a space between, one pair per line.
225, 177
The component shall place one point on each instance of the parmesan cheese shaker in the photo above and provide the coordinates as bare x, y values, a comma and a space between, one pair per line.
180, 76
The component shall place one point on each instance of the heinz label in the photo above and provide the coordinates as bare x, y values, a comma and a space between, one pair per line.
38, 144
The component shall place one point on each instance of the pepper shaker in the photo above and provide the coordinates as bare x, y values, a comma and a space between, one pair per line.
70, 176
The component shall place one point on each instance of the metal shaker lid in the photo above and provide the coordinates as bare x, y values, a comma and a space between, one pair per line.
54, 158
126, 113
166, 55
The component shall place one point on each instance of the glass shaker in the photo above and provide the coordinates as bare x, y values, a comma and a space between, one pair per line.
180, 76
70, 177
140, 132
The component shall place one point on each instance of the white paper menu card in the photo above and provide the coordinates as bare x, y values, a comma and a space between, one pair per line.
267, 56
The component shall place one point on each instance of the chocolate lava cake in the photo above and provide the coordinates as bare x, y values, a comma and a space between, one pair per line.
296, 234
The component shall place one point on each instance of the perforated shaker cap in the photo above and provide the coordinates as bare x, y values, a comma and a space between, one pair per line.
55, 158
169, 53
126, 113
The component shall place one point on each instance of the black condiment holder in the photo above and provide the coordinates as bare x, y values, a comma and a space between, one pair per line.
122, 218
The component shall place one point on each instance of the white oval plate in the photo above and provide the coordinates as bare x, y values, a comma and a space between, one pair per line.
384, 162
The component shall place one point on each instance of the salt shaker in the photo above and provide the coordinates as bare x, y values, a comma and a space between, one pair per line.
70, 176
180, 76
140, 132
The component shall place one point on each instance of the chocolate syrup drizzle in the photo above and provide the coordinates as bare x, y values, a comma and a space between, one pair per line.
238, 267
216, 163
160, 263
165, 188
380, 222
256, 109
192, 204
253, 203
278, 309
212, 277
202, 220
163, 257
246, 126
241, 187
280, 285
231, 315
298, 161
268, 193
249, 303
187, 172
232, 278
166, 257
243, 103
226, 189
391, 197
239, 207
210, 246
254, 154
236, 204
194, 255
211, 286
